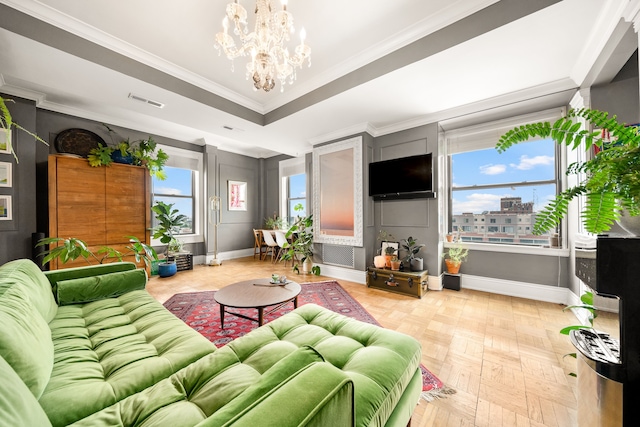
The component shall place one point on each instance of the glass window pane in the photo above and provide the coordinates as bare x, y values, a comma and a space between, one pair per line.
530, 161
297, 186
179, 182
184, 206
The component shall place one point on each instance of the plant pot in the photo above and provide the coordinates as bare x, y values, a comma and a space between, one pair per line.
395, 265
416, 264
117, 157
306, 266
630, 224
453, 267
449, 237
387, 262
167, 269
379, 261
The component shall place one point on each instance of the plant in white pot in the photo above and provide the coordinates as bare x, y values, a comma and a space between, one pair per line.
169, 221
612, 183
300, 250
413, 249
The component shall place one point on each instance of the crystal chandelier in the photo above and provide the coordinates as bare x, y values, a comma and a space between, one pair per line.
270, 58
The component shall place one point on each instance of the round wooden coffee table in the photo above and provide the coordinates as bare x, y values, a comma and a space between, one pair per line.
258, 294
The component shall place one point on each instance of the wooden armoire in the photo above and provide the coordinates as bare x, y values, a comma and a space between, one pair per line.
100, 205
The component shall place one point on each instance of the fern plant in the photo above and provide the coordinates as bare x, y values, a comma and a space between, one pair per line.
612, 180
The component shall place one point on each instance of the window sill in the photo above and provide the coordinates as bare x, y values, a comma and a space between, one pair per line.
513, 249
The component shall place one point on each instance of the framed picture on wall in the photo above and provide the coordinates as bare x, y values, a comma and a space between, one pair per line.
5, 174
237, 196
5, 208
5, 141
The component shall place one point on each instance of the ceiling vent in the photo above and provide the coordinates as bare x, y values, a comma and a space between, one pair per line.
146, 101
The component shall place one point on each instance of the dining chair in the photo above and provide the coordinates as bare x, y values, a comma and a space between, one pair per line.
271, 244
258, 244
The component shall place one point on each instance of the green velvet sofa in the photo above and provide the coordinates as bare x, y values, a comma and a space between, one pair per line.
89, 346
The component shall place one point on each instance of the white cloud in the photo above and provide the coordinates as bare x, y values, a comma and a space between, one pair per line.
167, 191
492, 169
478, 203
528, 163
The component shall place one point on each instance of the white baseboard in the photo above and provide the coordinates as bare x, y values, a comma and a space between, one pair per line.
349, 274
532, 291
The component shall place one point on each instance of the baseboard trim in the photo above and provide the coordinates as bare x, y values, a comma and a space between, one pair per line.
349, 274
512, 288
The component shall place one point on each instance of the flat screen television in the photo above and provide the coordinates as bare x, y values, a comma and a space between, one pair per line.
404, 178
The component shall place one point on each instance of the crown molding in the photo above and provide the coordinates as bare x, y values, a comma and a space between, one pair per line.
81, 29
430, 24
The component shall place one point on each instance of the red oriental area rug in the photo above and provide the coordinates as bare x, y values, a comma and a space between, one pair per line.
201, 312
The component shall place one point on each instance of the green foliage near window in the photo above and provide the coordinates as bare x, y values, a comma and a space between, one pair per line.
72, 248
169, 220
456, 253
144, 152
7, 123
612, 176
587, 304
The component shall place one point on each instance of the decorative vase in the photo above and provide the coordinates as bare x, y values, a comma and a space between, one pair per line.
307, 265
453, 267
416, 264
379, 261
167, 269
630, 224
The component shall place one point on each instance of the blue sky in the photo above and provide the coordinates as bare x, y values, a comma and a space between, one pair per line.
530, 161
178, 182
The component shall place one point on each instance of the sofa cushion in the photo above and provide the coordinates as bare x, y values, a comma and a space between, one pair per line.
18, 406
109, 349
27, 273
222, 391
94, 288
25, 338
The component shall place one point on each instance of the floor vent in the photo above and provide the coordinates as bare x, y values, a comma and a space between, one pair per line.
338, 255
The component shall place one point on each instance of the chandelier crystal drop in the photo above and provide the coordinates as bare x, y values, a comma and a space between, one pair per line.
266, 44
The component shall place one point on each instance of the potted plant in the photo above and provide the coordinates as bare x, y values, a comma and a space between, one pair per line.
6, 124
301, 247
70, 248
382, 260
612, 183
395, 263
389, 253
275, 223
142, 152
168, 221
454, 256
413, 249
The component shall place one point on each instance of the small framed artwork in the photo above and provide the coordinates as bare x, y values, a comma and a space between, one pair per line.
5, 174
237, 196
5, 208
5, 141
392, 245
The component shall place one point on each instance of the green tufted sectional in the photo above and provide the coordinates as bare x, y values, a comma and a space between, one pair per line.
90, 347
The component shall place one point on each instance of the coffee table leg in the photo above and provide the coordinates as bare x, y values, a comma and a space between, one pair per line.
260, 316
295, 302
221, 316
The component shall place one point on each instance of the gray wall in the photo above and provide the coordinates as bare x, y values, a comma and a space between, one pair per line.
15, 235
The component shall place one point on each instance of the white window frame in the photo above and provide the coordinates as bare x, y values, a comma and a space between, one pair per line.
486, 135
186, 159
287, 168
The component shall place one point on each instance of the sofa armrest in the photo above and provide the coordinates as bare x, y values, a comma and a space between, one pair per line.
93, 288
318, 395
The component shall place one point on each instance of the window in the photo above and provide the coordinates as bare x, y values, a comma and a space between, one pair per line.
178, 189
183, 187
507, 187
296, 194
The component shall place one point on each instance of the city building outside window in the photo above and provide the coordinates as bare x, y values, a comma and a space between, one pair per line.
502, 188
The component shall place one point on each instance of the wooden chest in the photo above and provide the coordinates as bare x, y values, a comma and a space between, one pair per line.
412, 283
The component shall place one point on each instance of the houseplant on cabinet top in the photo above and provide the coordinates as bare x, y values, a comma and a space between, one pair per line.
301, 232
612, 183
454, 257
168, 221
413, 249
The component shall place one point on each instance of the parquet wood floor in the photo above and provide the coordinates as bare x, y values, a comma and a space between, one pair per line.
503, 355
